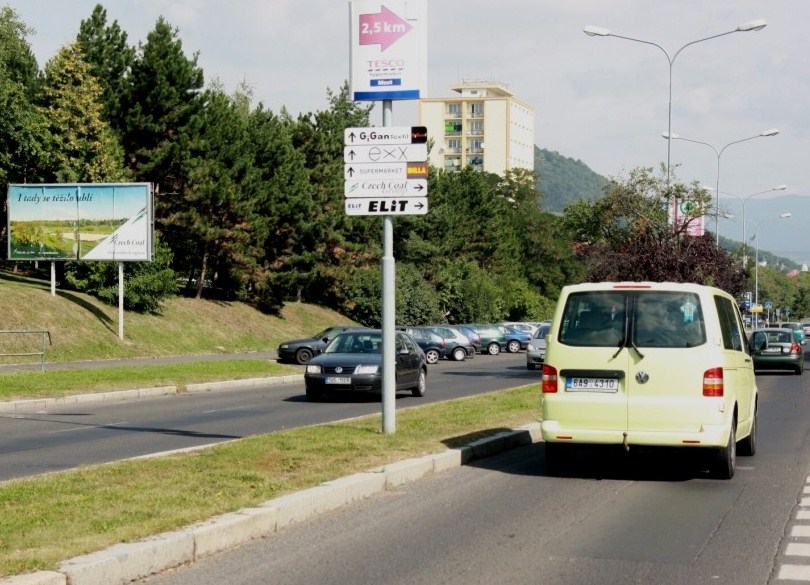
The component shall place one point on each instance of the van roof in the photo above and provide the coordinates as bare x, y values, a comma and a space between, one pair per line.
640, 285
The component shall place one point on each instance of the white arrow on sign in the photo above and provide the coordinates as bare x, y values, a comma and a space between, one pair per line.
385, 188
395, 153
375, 171
386, 206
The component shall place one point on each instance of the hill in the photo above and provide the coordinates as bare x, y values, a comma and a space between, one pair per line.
81, 327
563, 180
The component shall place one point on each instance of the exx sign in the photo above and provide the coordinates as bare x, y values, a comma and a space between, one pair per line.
388, 49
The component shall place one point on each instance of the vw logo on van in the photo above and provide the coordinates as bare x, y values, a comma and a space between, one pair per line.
642, 377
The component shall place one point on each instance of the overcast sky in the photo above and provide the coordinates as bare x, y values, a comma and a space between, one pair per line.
602, 100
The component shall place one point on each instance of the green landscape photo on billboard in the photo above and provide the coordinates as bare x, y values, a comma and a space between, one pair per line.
93, 221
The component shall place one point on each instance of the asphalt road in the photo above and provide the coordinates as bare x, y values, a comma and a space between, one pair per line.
65, 437
647, 517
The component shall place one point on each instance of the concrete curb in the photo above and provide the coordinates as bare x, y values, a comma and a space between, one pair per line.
37, 404
122, 563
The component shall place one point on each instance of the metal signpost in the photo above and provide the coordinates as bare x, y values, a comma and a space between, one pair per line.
388, 62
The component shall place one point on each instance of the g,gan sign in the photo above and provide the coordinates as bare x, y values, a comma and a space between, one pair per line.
85, 221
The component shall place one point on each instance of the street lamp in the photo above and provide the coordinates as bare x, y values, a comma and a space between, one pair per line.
670, 137
744, 200
756, 258
596, 31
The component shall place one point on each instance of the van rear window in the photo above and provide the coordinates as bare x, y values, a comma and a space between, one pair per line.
641, 318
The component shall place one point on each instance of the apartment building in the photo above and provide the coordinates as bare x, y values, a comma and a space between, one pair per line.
484, 126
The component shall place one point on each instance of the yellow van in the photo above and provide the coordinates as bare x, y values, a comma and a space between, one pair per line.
648, 364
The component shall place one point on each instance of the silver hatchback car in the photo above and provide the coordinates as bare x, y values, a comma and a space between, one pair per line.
536, 350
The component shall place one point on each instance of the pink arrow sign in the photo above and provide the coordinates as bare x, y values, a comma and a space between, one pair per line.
384, 28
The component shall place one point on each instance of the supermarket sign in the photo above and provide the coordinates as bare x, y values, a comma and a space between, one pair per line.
84, 221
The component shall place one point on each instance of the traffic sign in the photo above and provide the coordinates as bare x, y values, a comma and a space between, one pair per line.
387, 206
385, 135
386, 188
385, 153
357, 171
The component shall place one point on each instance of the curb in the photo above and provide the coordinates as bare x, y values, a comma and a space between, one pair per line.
35, 404
122, 563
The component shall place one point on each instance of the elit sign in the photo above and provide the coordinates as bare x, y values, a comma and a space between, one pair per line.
388, 49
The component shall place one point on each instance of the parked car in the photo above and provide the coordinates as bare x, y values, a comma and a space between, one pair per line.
300, 351
352, 362
471, 334
433, 344
776, 348
536, 350
516, 339
806, 329
798, 331
458, 346
493, 338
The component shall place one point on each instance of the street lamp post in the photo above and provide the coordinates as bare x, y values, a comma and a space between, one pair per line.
596, 31
743, 201
756, 258
670, 137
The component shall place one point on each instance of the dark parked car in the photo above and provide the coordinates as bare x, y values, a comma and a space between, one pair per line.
458, 345
352, 362
433, 344
493, 337
776, 348
300, 351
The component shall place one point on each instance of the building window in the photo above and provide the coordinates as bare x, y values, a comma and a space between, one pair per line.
476, 127
477, 110
454, 110
453, 145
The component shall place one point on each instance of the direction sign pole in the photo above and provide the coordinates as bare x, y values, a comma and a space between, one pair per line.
388, 312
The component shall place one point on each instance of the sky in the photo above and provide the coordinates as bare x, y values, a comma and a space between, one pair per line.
602, 100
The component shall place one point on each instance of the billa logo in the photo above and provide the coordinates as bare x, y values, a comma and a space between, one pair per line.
416, 170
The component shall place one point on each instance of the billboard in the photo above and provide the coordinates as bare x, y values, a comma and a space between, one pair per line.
84, 221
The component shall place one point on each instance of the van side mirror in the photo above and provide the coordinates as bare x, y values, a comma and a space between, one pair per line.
759, 341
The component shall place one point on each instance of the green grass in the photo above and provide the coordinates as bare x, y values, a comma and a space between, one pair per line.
50, 518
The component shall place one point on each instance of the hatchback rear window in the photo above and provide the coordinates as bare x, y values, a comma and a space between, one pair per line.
644, 319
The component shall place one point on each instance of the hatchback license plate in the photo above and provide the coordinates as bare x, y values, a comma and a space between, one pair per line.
338, 380
592, 385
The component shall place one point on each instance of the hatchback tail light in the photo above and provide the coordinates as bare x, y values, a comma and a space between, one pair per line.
549, 379
795, 348
713, 382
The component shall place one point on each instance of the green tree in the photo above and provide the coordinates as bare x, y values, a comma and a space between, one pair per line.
161, 99
628, 236
84, 148
146, 284
23, 132
218, 211
342, 244
110, 58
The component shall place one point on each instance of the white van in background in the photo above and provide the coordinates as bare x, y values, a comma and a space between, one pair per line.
648, 364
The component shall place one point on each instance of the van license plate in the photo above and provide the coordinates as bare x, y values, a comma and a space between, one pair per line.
338, 380
592, 385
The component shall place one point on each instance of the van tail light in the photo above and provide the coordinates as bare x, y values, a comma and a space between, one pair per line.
713, 382
549, 379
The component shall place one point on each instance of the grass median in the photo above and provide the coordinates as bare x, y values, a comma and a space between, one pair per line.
47, 519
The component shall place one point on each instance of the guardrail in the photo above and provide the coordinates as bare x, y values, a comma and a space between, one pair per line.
46, 335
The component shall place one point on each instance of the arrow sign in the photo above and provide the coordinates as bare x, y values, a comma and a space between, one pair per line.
398, 153
386, 206
386, 188
385, 135
384, 28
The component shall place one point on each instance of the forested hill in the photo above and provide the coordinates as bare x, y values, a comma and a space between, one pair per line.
562, 180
